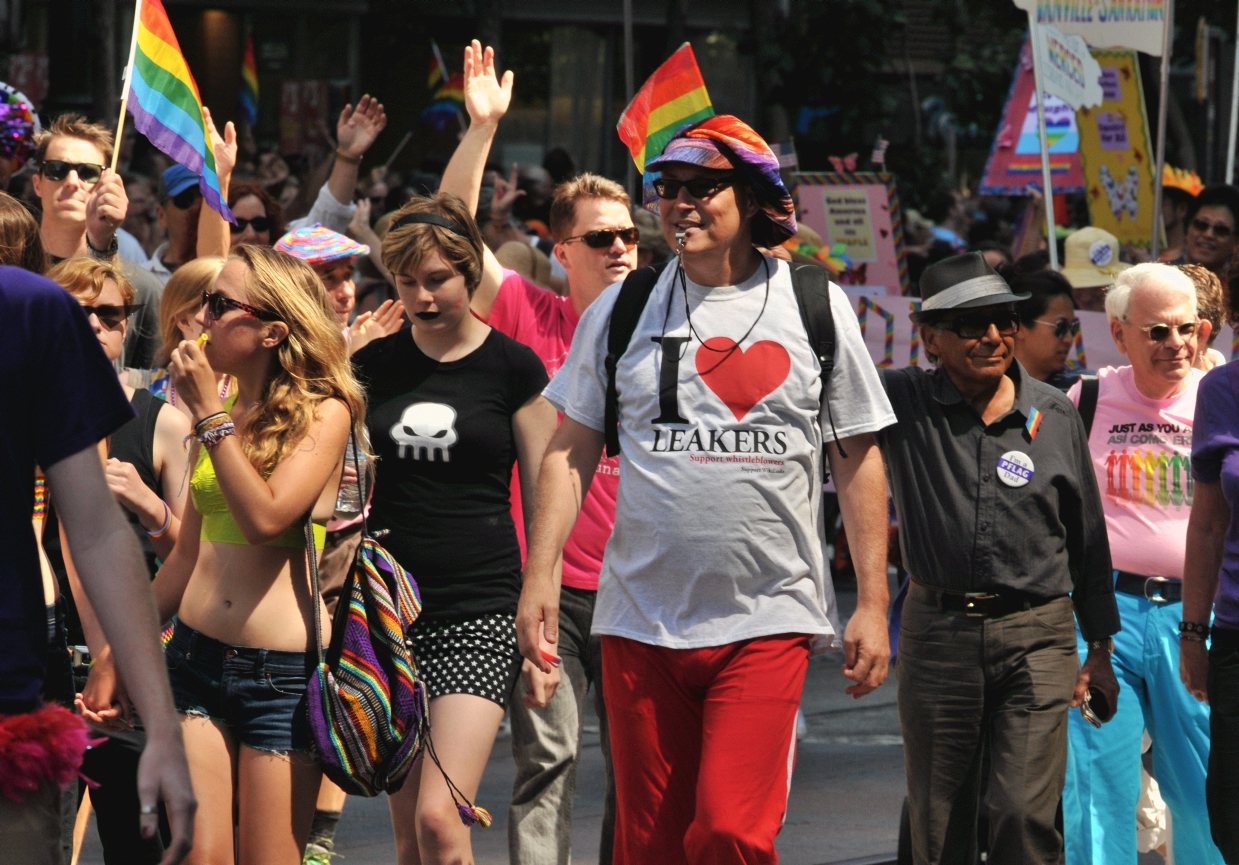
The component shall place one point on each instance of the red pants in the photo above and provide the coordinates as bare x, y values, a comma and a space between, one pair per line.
703, 742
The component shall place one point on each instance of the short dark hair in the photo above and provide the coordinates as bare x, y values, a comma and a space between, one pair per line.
1218, 195
1044, 286
940, 203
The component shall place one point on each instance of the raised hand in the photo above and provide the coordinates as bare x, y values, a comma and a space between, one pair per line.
224, 147
369, 326
360, 223
105, 209
487, 97
506, 193
358, 127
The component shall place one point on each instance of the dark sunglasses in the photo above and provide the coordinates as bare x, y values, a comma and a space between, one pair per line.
604, 238
1220, 229
1062, 326
258, 223
976, 325
58, 169
218, 304
110, 316
1160, 332
698, 187
185, 199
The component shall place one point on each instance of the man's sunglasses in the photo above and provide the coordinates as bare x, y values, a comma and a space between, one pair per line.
258, 223
976, 325
109, 315
698, 187
1160, 332
604, 238
185, 198
1062, 326
218, 304
58, 169
1220, 229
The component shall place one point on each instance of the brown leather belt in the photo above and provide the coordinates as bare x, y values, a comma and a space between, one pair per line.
980, 605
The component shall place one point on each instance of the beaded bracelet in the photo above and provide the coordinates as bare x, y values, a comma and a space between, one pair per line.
167, 522
212, 437
1196, 628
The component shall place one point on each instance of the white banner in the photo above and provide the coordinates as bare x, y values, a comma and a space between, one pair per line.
1068, 70
1105, 23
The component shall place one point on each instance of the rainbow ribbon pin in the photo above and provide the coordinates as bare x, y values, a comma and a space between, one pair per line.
1034, 423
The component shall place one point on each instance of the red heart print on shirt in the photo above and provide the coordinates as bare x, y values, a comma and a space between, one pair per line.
742, 378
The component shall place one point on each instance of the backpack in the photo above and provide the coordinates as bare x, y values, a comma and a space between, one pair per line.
1090, 387
810, 284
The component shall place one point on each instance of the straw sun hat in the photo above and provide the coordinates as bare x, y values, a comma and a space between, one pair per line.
1091, 258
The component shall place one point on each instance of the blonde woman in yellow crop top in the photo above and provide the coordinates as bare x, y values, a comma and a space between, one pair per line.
237, 581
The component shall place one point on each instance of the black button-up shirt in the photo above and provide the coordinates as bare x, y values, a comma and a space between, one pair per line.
963, 529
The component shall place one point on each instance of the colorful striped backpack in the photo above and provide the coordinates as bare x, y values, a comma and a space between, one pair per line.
368, 714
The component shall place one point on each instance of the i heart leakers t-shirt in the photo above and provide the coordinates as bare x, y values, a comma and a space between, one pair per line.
718, 526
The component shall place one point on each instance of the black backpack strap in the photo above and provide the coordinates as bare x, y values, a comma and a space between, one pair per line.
812, 287
1089, 388
624, 317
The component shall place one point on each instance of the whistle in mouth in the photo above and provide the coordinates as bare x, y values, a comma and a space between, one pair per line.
679, 238
202, 340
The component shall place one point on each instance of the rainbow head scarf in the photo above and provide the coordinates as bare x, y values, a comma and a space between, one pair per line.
727, 142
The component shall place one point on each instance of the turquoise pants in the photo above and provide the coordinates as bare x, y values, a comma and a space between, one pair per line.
1103, 765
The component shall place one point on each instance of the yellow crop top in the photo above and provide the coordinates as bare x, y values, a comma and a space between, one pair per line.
218, 524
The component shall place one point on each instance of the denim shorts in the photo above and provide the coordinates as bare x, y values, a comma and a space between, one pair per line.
259, 695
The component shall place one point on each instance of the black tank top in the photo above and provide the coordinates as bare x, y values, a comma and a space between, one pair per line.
135, 443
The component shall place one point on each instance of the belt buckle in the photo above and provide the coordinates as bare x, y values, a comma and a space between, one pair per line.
970, 609
1157, 583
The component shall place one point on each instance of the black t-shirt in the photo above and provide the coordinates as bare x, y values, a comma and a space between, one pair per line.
443, 436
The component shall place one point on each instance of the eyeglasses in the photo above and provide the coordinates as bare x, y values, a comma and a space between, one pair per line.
1160, 332
258, 223
698, 187
976, 325
109, 315
58, 169
604, 238
1062, 326
186, 197
218, 304
1220, 229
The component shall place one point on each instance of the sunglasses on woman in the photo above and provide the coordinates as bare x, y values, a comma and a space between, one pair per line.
603, 238
109, 315
58, 169
1160, 332
1062, 326
976, 325
699, 187
1220, 229
185, 199
218, 304
258, 223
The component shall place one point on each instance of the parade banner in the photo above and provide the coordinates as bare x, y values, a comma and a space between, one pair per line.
860, 211
1133, 24
1115, 151
1069, 71
1015, 158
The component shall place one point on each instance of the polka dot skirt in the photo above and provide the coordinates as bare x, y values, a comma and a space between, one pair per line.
475, 656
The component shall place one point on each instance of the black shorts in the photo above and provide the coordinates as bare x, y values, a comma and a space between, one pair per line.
468, 656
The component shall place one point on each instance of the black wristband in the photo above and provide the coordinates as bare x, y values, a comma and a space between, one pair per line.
104, 254
1195, 628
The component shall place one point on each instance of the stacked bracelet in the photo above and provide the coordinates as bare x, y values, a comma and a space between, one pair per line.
167, 522
216, 433
209, 420
1193, 632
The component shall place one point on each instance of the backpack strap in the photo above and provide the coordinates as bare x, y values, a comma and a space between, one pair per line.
812, 286
633, 296
1089, 388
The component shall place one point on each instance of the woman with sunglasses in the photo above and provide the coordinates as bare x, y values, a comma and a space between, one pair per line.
1048, 328
241, 654
1211, 230
145, 469
453, 405
260, 219
178, 321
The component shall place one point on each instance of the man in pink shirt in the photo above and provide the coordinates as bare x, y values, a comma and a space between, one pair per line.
1141, 430
596, 243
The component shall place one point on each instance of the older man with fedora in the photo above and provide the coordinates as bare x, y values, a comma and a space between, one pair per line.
1002, 531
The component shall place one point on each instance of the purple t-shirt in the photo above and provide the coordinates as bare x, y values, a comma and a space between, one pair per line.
1215, 457
58, 396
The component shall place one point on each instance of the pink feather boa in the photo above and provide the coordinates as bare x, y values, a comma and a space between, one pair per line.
44, 745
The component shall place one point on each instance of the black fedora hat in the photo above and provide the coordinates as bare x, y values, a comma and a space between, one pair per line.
963, 282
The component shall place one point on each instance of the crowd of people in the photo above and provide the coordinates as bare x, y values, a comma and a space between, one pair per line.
597, 439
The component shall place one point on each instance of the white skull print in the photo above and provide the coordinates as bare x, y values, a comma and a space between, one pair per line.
427, 428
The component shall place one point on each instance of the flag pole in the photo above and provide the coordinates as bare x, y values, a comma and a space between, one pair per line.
1234, 115
631, 176
1047, 181
1162, 107
124, 99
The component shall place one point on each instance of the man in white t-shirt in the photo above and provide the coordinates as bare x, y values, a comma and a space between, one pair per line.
714, 589
1141, 442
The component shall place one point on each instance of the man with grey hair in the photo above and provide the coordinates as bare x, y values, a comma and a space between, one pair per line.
1139, 420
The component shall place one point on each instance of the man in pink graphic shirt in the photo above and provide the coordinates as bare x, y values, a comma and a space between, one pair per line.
596, 243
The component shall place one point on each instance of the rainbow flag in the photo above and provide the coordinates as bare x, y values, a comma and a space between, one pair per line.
448, 102
249, 83
164, 101
1034, 422
674, 96
438, 69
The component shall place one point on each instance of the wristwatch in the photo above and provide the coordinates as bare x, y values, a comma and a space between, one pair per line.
1107, 644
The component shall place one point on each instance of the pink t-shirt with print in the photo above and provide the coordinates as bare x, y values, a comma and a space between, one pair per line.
546, 322
1142, 451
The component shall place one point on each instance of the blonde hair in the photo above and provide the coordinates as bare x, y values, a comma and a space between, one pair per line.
74, 126
563, 205
405, 248
312, 363
183, 296
84, 279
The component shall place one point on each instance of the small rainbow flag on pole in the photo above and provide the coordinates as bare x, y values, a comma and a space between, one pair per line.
161, 94
438, 69
448, 102
674, 96
249, 83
